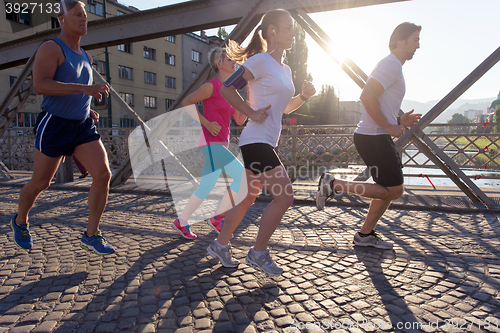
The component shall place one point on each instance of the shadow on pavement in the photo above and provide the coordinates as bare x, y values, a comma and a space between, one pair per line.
39, 290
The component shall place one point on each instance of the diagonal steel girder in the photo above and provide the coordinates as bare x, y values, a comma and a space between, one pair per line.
166, 21
415, 134
7, 115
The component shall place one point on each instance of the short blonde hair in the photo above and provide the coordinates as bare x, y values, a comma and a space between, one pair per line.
215, 56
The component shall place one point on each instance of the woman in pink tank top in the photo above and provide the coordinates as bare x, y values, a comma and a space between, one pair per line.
214, 140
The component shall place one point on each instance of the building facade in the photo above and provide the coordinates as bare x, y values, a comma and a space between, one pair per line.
149, 75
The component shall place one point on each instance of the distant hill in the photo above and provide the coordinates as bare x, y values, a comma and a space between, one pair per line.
459, 106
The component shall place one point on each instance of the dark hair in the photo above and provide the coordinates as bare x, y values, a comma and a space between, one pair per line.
67, 5
258, 43
402, 32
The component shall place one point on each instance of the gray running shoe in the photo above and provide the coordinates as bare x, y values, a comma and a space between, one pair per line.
372, 240
324, 190
264, 262
224, 254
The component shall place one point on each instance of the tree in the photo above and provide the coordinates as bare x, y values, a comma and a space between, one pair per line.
458, 118
222, 33
496, 118
324, 111
296, 59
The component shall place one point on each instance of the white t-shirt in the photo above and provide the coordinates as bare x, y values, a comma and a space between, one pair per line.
272, 86
389, 72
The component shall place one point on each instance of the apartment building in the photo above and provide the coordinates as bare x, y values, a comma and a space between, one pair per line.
149, 75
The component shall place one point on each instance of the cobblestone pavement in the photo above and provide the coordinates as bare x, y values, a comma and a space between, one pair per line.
444, 272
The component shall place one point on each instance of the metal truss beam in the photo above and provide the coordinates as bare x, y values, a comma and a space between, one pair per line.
166, 21
7, 114
415, 134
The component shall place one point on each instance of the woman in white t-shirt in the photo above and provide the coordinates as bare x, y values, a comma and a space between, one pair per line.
270, 95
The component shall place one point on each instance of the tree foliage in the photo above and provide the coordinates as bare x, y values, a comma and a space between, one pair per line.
458, 118
496, 118
222, 33
296, 59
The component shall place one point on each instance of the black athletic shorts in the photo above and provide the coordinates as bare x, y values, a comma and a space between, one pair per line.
381, 157
56, 136
259, 157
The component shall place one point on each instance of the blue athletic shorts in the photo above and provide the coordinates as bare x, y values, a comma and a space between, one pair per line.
56, 136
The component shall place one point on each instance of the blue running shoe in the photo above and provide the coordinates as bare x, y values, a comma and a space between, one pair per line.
22, 235
97, 243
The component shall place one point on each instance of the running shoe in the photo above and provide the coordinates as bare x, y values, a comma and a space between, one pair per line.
97, 243
373, 240
22, 235
223, 253
324, 190
184, 231
264, 262
215, 223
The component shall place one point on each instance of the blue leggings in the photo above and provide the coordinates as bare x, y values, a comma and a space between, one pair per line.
218, 159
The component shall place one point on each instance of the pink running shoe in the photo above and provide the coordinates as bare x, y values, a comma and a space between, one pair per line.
183, 231
216, 224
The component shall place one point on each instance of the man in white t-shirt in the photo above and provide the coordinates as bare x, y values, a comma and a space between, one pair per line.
381, 97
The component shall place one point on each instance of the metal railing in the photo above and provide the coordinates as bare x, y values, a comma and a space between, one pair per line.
312, 147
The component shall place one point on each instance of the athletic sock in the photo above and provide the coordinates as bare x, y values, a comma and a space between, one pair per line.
259, 253
220, 245
364, 235
182, 222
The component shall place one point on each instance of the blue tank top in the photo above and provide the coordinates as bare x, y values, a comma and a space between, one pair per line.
76, 68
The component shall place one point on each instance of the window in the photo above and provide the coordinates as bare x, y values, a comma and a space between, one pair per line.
118, 13
150, 102
54, 23
23, 17
149, 53
168, 103
12, 80
169, 82
24, 119
125, 48
196, 56
149, 77
125, 72
170, 59
95, 7
128, 98
100, 66
100, 104
103, 122
125, 122
170, 39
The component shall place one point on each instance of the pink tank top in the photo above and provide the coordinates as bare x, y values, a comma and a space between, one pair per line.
216, 108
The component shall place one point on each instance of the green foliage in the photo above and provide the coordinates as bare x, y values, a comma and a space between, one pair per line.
458, 118
222, 33
296, 59
496, 118
324, 108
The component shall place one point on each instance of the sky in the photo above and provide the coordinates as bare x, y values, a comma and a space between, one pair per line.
456, 36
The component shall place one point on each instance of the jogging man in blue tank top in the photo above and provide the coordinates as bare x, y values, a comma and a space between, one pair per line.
62, 72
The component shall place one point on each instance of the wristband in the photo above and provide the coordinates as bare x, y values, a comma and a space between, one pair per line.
399, 120
302, 97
